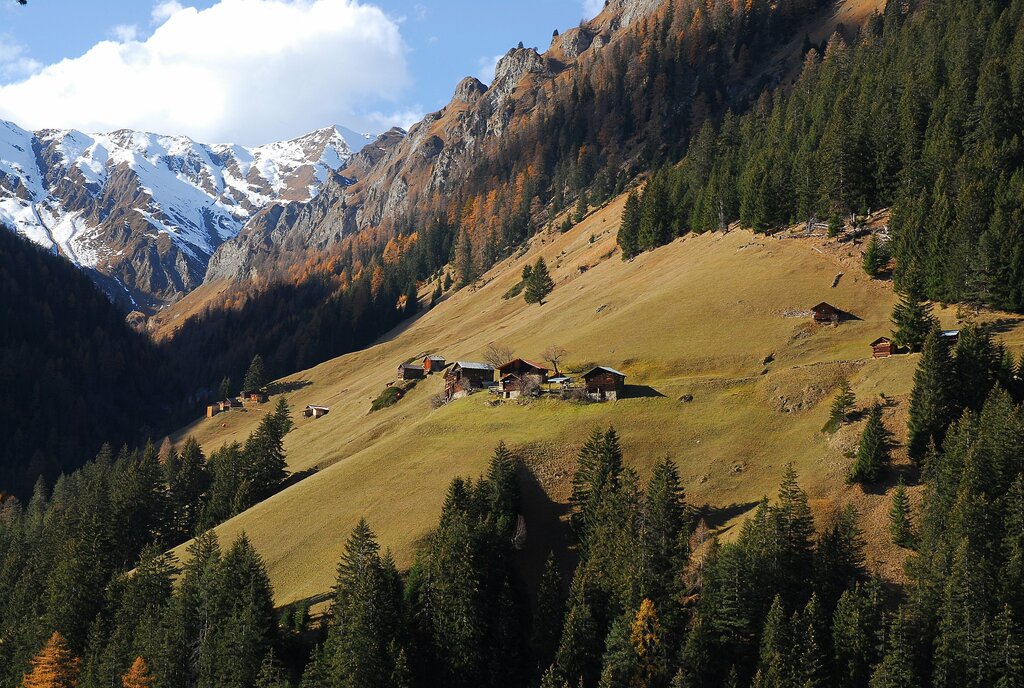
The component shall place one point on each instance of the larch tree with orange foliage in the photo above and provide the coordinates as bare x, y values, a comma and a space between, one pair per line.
138, 676
54, 667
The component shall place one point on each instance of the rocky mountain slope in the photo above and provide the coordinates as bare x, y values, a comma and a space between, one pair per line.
143, 212
411, 172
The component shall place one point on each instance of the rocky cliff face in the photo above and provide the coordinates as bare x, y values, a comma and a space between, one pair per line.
429, 163
143, 213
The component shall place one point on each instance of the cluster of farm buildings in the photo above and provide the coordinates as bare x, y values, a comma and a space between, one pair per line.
518, 377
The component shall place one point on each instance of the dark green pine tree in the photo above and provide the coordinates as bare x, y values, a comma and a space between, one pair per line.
912, 319
539, 284
548, 616
597, 472
931, 400
629, 230
243, 627
901, 527
810, 632
272, 674
896, 670
655, 218
365, 615
665, 528
794, 547
976, 364
856, 634
255, 376
838, 558
841, 406
876, 256
776, 657
962, 645
873, 453
264, 457
187, 487
1007, 653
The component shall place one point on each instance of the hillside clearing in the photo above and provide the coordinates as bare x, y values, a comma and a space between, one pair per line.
697, 317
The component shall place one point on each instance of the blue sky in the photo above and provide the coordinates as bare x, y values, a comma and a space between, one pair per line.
251, 71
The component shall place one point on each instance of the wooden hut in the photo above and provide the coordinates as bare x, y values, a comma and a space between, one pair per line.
433, 364
825, 313
257, 397
467, 376
212, 410
951, 337
314, 411
520, 375
604, 383
882, 348
410, 371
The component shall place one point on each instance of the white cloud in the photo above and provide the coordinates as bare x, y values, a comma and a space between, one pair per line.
485, 68
126, 32
248, 71
162, 11
592, 8
14, 64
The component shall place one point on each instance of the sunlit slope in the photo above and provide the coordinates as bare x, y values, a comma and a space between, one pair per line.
698, 317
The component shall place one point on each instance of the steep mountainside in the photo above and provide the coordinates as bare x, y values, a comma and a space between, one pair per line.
144, 212
680, 320
73, 375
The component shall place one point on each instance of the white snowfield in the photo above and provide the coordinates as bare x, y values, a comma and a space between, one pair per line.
58, 187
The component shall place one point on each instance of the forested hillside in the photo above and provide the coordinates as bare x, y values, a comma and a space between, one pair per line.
73, 375
921, 111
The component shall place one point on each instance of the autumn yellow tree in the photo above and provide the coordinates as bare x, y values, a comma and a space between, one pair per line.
645, 633
54, 666
138, 676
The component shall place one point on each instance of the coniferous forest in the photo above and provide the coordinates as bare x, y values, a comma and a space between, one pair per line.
921, 111
89, 594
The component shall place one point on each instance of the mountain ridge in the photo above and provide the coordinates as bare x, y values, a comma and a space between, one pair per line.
143, 212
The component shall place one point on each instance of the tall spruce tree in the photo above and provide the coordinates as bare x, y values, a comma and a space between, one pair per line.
255, 376
901, 527
539, 284
873, 453
931, 399
629, 229
912, 319
841, 406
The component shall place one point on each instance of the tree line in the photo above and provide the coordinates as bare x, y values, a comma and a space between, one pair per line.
920, 112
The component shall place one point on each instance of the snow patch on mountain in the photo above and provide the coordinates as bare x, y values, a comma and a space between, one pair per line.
104, 199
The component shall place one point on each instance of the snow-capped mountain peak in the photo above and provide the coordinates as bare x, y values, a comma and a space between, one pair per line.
147, 210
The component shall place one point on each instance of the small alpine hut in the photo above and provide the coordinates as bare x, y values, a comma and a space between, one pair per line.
314, 411
951, 337
825, 313
467, 376
882, 348
410, 371
604, 383
518, 376
212, 410
433, 364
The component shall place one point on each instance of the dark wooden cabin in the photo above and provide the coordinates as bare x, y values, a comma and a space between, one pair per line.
882, 348
951, 337
825, 313
467, 376
604, 383
433, 364
519, 375
410, 371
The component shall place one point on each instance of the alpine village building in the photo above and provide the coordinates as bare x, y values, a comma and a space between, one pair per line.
604, 383
467, 376
519, 376
433, 364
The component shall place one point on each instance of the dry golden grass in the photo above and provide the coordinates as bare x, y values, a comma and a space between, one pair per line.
696, 317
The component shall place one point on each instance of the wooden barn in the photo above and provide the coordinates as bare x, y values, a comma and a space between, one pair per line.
314, 411
825, 313
212, 410
410, 371
520, 375
467, 376
882, 348
257, 397
433, 364
604, 383
951, 337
